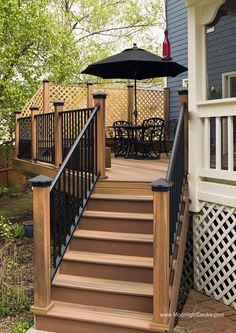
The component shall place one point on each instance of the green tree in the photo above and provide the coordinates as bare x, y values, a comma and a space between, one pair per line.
56, 39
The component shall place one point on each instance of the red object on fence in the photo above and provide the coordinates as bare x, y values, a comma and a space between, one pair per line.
166, 48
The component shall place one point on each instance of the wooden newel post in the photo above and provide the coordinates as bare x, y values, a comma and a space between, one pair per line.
130, 102
17, 132
34, 110
100, 98
89, 94
183, 98
166, 104
41, 217
58, 105
45, 96
161, 252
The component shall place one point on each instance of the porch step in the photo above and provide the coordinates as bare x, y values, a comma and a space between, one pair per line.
103, 292
122, 222
112, 242
121, 203
92, 319
107, 266
123, 187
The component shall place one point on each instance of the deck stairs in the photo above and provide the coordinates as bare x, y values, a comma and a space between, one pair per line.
104, 282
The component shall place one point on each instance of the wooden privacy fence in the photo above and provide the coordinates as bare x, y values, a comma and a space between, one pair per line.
119, 103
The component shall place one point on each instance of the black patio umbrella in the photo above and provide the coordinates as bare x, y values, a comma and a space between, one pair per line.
136, 64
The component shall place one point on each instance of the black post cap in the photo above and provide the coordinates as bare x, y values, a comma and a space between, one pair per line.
130, 85
18, 111
99, 95
45, 81
40, 181
161, 185
183, 91
58, 102
34, 108
89, 83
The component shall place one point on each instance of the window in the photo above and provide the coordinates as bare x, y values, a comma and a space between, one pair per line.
229, 84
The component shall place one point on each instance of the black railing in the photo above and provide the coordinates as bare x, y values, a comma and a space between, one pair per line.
25, 142
72, 187
45, 136
72, 123
176, 174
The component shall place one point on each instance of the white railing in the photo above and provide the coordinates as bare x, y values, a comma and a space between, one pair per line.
212, 153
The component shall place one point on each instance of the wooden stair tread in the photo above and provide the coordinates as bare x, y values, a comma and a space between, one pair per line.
103, 285
101, 315
123, 197
112, 259
115, 236
118, 216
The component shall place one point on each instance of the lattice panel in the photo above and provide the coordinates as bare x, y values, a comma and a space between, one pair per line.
150, 103
214, 239
37, 99
116, 105
74, 97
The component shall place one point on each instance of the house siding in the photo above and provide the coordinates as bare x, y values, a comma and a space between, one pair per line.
178, 35
220, 48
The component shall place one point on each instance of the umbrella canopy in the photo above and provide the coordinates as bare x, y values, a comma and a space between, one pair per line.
136, 64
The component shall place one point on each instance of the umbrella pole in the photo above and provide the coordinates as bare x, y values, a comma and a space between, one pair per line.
135, 103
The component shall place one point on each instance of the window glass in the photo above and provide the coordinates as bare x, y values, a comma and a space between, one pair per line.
212, 142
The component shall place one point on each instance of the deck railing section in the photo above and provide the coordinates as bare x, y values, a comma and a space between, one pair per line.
176, 175
24, 138
72, 123
72, 186
169, 209
45, 136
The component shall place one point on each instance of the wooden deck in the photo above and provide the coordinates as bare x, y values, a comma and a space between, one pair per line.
137, 170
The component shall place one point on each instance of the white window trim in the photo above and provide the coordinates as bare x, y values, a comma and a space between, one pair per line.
226, 83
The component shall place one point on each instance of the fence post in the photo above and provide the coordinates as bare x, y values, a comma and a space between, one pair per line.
46, 96
130, 102
34, 110
41, 216
58, 105
183, 98
100, 98
89, 94
161, 252
17, 132
166, 104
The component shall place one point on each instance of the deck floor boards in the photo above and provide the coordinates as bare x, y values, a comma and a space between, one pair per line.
137, 170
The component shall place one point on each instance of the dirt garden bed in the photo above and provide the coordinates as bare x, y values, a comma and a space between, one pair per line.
16, 264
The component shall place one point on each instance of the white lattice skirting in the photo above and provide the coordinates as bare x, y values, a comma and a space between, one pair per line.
214, 241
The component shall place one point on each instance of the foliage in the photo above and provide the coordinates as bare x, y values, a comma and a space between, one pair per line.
3, 191
24, 325
9, 230
14, 282
56, 39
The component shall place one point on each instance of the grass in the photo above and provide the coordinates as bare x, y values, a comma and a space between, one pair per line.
16, 206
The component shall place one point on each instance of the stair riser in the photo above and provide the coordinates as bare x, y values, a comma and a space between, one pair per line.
114, 272
129, 191
120, 206
111, 246
115, 225
59, 325
104, 299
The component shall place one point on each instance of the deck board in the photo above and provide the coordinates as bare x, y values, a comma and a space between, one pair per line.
137, 170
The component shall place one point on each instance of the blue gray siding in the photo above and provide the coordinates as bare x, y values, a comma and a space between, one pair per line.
178, 36
221, 50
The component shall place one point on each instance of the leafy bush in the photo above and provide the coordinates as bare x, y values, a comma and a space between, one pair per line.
9, 230
3, 191
23, 326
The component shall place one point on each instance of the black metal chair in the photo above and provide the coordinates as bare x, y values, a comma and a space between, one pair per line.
149, 145
169, 135
122, 137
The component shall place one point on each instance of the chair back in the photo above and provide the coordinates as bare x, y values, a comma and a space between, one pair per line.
170, 129
120, 132
153, 129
